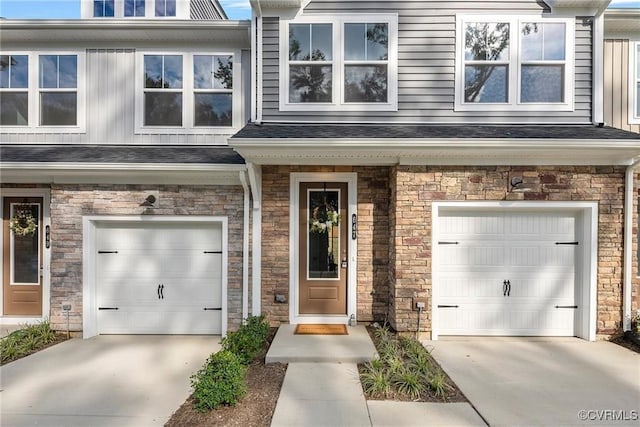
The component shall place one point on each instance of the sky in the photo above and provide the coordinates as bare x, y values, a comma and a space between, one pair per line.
61, 9
70, 9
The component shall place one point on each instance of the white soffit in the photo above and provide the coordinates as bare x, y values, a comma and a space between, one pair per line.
598, 6
622, 21
322, 152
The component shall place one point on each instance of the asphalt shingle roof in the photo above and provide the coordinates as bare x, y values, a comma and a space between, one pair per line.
119, 154
336, 131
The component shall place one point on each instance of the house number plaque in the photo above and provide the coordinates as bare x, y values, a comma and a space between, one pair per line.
354, 227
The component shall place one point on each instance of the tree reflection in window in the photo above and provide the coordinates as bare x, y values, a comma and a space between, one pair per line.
366, 56
310, 63
324, 234
486, 62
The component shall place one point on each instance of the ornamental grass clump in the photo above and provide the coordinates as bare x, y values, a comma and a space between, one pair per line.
26, 341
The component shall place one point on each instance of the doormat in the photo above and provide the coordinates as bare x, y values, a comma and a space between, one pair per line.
321, 330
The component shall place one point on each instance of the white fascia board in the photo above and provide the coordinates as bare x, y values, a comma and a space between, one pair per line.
395, 143
101, 24
158, 167
598, 6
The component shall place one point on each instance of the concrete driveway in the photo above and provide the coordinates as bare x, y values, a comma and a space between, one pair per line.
108, 380
564, 381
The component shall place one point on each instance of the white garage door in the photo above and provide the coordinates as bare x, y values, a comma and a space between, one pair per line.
159, 278
507, 274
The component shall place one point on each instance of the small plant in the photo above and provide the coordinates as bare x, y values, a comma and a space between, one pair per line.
375, 379
439, 386
25, 341
249, 340
221, 381
408, 381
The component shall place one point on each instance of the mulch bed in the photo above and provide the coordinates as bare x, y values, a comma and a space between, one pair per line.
622, 341
256, 407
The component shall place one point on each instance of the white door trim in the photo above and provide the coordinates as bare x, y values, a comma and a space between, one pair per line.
351, 178
89, 282
587, 262
45, 193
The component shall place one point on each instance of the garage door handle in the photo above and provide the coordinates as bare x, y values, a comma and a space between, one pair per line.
448, 306
107, 308
566, 306
567, 243
107, 252
448, 243
212, 309
212, 252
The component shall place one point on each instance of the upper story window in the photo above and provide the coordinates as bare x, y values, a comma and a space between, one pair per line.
58, 87
134, 8
507, 63
634, 83
42, 92
187, 93
103, 8
14, 90
165, 7
339, 63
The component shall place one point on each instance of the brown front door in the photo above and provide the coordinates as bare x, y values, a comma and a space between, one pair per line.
22, 258
323, 248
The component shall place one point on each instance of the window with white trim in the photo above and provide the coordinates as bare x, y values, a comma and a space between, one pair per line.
507, 63
103, 8
42, 92
339, 63
134, 8
14, 90
634, 82
187, 92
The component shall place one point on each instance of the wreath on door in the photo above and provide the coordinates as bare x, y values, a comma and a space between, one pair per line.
22, 223
324, 217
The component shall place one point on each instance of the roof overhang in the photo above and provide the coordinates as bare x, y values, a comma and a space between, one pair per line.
461, 152
591, 7
119, 173
621, 21
88, 31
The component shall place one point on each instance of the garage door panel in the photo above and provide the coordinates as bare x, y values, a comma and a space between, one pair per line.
479, 251
160, 280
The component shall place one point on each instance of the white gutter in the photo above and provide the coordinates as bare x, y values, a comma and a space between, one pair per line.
628, 240
255, 178
245, 248
160, 167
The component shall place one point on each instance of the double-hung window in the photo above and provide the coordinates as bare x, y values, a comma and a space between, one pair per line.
339, 63
58, 86
14, 90
186, 92
213, 90
134, 8
163, 83
165, 8
103, 8
521, 63
634, 82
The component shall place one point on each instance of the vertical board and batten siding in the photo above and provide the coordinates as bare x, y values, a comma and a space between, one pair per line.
616, 84
110, 108
426, 64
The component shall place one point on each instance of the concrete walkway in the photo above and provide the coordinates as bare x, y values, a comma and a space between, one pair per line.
322, 386
116, 380
544, 381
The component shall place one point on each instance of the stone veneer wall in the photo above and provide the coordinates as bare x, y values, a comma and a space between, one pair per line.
69, 203
414, 188
373, 239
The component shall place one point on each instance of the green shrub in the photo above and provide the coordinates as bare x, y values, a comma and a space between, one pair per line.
375, 379
26, 340
248, 341
221, 381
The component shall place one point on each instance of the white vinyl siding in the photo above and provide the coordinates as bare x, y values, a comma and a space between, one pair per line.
426, 64
634, 82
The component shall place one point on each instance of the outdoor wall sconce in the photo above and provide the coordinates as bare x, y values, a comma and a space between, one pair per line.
150, 202
515, 182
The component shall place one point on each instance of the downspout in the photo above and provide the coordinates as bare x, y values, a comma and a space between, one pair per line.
628, 239
598, 69
255, 179
245, 247
254, 57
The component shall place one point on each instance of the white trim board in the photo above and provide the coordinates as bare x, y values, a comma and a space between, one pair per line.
351, 179
46, 253
586, 267
89, 282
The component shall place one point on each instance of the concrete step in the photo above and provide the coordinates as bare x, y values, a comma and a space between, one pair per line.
356, 347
